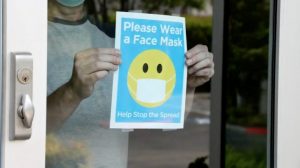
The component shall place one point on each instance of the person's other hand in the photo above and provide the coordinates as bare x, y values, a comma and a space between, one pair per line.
200, 65
91, 65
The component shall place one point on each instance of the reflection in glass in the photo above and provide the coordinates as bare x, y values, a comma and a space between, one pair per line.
78, 108
246, 83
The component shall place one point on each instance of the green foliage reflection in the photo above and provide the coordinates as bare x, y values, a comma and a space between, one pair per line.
247, 60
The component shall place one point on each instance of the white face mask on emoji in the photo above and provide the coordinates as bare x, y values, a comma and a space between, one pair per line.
151, 90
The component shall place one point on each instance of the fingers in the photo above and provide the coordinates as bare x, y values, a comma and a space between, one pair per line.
100, 58
196, 50
99, 66
200, 61
96, 52
109, 58
196, 55
93, 64
198, 58
92, 60
196, 81
206, 72
94, 77
200, 65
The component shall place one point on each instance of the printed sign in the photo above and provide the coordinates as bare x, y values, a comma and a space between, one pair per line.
149, 86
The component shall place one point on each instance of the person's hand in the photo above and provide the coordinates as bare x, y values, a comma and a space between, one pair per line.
90, 66
200, 65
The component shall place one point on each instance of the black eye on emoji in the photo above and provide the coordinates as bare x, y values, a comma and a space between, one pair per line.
145, 67
159, 68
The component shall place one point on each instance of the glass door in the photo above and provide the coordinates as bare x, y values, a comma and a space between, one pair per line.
77, 131
81, 34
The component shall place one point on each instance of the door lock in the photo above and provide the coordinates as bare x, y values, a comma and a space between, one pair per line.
24, 75
22, 108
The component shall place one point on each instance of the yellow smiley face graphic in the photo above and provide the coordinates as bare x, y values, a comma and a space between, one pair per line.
151, 78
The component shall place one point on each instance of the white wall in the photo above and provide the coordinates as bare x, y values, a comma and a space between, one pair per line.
25, 29
288, 132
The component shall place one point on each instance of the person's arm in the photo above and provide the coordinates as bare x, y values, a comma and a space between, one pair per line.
90, 66
60, 105
200, 69
189, 100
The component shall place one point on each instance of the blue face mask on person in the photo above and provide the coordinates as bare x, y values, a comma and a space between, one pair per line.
70, 3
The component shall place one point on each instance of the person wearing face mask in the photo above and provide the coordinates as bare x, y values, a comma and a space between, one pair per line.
81, 61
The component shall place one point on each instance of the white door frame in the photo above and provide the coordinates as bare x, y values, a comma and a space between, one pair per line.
25, 29
1, 72
287, 110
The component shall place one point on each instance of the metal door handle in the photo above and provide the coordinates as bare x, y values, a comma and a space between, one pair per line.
26, 111
22, 110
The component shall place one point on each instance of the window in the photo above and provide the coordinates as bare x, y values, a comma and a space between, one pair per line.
79, 135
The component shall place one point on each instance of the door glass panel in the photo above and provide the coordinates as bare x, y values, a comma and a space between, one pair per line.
78, 115
246, 74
